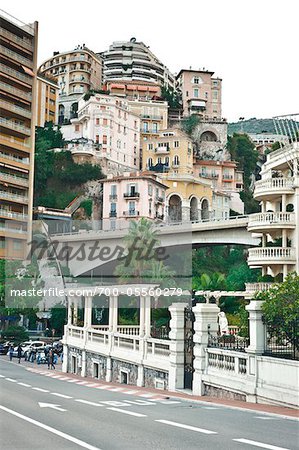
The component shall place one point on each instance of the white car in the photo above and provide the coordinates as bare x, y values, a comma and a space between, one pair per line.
34, 345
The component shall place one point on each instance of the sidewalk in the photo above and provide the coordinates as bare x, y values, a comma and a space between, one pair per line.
260, 408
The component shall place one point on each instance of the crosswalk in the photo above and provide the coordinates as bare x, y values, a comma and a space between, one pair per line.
122, 389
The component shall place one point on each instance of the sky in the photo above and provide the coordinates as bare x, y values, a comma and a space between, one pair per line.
251, 44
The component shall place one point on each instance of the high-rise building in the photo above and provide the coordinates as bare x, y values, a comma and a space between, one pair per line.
76, 72
47, 101
201, 93
132, 61
18, 55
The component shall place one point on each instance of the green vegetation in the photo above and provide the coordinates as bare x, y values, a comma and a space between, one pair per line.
14, 333
93, 92
58, 180
189, 124
281, 310
58, 318
253, 125
172, 97
243, 151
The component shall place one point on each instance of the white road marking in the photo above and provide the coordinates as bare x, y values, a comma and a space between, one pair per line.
60, 395
24, 384
130, 413
10, 379
50, 429
101, 387
115, 389
55, 376
114, 403
40, 389
72, 381
141, 402
91, 384
266, 418
130, 392
82, 382
2, 376
209, 407
187, 427
64, 378
259, 444
169, 402
87, 402
52, 406
147, 395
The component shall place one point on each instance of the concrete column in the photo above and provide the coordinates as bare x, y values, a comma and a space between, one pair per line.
65, 358
140, 376
75, 316
283, 203
109, 370
206, 321
147, 316
141, 315
284, 238
87, 311
177, 346
69, 312
185, 211
83, 363
263, 206
111, 302
257, 330
115, 315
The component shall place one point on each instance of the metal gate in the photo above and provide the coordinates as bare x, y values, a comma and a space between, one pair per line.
188, 348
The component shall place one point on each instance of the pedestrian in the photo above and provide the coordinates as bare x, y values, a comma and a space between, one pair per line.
10, 352
19, 352
51, 364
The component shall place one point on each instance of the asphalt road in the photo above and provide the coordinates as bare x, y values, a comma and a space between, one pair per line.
42, 412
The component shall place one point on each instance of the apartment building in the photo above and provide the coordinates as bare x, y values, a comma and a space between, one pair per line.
47, 101
76, 72
169, 150
201, 93
18, 54
127, 61
278, 221
113, 130
226, 179
132, 196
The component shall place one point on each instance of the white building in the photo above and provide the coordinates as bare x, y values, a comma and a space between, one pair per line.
107, 122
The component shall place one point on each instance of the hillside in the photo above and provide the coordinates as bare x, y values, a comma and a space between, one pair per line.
252, 126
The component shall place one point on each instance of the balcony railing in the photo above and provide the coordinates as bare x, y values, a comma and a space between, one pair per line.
161, 150
131, 195
257, 287
132, 213
271, 219
14, 126
13, 158
274, 185
14, 141
159, 199
12, 196
277, 255
14, 179
14, 73
26, 43
113, 197
13, 215
17, 109
4, 228
112, 214
16, 92
15, 56
152, 117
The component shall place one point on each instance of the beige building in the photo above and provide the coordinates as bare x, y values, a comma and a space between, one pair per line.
76, 72
17, 131
201, 93
47, 101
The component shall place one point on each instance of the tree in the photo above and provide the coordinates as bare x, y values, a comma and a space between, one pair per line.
214, 282
281, 310
190, 123
58, 318
172, 97
15, 333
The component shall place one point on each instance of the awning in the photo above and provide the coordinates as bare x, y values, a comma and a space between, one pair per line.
154, 89
142, 88
28, 71
131, 87
117, 86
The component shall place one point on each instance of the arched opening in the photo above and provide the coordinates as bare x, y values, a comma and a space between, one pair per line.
175, 209
176, 160
150, 162
205, 209
208, 136
74, 110
61, 112
193, 209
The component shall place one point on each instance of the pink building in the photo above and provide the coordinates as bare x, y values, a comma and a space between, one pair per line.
132, 196
107, 122
201, 93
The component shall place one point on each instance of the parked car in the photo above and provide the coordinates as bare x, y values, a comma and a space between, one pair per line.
33, 345
4, 347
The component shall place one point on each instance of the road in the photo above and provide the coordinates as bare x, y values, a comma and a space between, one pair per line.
39, 411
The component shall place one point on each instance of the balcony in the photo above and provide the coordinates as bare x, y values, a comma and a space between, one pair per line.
271, 220
112, 214
258, 257
162, 150
113, 197
23, 42
17, 144
13, 215
16, 92
131, 213
13, 158
16, 74
79, 80
151, 117
130, 195
160, 216
159, 199
13, 197
16, 57
209, 175
253, 288
14, 126
16, 109
11, 230
273, 187
13, 179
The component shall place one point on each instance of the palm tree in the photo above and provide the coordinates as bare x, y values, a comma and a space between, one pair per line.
214, 282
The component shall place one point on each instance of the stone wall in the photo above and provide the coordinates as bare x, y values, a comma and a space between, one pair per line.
130, 369
213, 391
151, 375
92, 358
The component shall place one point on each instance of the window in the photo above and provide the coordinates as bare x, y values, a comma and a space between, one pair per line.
176, 144
176, 160
17, 245
118, 128
150, 162
155, 128
105, 122
215, 83
159, 160
2, 243
150, 146
104, 139
196, 80
135, 150
196, 92
150, 208
150, 189
135, 123
132, 210
125, 130
135, 137
145, 127
113, 190
112, 209
97, 121
215, 95
97, 138
52, 90
167, 160
187, 94
77, 127
103, 108
206, 95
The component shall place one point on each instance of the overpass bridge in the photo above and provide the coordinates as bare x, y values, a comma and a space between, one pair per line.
231, 231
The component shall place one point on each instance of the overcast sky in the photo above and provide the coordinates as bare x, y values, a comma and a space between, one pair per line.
251, 44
